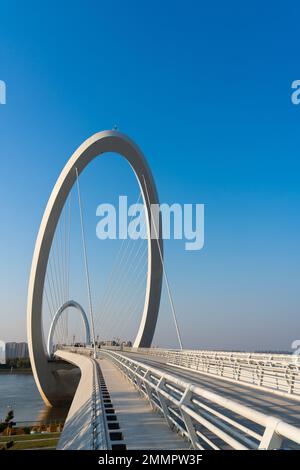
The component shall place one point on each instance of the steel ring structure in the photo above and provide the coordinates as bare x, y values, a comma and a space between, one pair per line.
77, 306
98, 144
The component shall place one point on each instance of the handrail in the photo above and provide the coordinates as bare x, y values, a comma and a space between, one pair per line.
275, 357
207, 419
276, 373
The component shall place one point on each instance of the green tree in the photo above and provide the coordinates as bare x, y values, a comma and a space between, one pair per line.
8, 423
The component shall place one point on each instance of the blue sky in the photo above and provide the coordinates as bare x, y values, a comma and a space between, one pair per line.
205, 92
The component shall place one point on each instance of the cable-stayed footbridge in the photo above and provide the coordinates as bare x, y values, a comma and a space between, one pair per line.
135, 396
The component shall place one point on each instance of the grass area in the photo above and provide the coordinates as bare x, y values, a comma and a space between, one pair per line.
35, 444
32, 441
28, 437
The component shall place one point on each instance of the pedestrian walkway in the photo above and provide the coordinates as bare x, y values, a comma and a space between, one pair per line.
141, 427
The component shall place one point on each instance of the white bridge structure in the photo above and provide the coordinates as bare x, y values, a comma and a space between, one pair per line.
142, 397
60, 311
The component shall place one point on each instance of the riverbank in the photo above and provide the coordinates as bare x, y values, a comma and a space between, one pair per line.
31, 441
18, 392
15, 371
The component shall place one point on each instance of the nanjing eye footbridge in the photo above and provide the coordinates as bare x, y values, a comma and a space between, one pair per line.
136, 396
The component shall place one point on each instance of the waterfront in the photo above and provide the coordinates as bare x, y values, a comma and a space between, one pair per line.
19, 392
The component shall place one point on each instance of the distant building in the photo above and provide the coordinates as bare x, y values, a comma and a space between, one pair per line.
109, 343
13, 350
2, 352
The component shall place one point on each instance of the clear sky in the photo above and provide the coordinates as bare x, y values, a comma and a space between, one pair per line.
204, 89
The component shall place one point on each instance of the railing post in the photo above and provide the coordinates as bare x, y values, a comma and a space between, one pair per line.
261, 376
292, 382
148, 389
271, 440
163, 402
190, 428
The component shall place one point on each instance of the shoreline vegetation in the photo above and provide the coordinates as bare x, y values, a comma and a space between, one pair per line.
15, 371
32, 442
16, 366
37, 436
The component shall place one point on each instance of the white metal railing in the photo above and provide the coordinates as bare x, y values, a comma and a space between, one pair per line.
278, 373
207, 419
160, 352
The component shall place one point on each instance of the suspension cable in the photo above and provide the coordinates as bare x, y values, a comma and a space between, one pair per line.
86, 264
124, 284
120, 280
114, 275
68, 263
128, 294
164, 271
116, 264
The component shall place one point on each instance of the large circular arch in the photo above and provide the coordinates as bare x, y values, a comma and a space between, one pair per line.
102, 142
59, 312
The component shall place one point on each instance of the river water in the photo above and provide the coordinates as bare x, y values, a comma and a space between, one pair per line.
19, 392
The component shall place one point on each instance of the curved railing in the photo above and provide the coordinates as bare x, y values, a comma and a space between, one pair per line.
207, 419
276, 373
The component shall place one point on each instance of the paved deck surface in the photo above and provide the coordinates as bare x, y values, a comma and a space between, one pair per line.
266, 402
141, 427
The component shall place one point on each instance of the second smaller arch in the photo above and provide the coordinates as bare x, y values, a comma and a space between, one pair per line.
77, 306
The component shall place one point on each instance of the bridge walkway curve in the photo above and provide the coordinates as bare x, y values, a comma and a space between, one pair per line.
265, 402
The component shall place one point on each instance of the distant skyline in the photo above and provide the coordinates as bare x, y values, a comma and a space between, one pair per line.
205, 91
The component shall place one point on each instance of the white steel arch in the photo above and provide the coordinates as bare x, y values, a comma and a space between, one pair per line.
102, 142
77, 306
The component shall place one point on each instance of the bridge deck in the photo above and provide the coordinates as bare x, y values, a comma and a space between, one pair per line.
141, 428
266, 402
